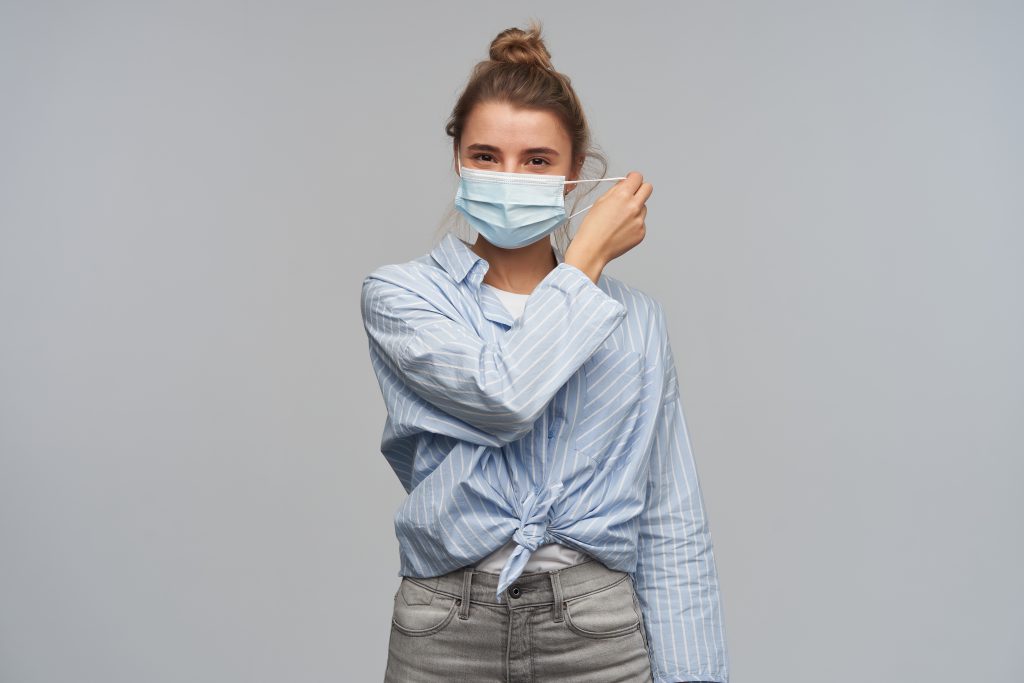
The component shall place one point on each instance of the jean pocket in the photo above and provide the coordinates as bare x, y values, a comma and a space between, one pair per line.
640, 613
420, 610
604, 613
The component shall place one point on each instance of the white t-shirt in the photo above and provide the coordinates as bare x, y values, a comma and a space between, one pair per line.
548, 555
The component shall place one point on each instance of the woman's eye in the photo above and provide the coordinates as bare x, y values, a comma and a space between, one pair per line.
482, 154
542, 161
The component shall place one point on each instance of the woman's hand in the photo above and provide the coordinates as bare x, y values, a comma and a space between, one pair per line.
613, 225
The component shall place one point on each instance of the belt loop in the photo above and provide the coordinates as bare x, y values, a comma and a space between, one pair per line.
556, 588
467, 581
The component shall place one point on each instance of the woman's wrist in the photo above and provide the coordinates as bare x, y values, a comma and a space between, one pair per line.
587, 260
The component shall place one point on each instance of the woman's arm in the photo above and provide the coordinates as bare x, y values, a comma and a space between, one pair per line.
676, 578
501, 388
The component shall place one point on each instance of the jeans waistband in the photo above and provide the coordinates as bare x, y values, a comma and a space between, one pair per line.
531, 588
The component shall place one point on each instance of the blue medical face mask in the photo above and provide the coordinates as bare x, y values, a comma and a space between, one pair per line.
512, 210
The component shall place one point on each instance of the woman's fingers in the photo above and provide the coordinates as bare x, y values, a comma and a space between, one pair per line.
644, 191
630, 185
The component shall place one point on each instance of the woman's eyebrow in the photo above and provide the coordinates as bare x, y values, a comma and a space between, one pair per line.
533, 150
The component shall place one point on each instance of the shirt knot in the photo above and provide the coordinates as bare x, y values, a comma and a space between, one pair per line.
533, 523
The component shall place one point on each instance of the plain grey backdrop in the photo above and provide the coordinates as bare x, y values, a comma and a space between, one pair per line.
191, 488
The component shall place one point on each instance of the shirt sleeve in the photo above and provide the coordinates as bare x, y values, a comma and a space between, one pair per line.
500, 388
676, 577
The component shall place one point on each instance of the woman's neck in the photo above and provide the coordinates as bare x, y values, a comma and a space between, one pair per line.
516, 270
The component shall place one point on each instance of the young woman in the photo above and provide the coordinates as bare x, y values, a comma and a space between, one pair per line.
555, 528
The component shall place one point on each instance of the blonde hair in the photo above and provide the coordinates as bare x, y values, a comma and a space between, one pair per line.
519, 72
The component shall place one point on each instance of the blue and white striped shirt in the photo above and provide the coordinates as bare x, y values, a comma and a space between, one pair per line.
564, 426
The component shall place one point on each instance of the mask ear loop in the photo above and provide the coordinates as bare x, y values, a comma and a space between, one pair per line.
587, 180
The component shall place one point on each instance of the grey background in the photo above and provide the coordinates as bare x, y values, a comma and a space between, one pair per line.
190, 482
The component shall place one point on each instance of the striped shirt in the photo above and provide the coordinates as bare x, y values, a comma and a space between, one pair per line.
562, 426
547, 556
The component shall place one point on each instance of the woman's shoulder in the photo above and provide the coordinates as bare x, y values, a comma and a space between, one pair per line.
417, 282
415, 274
639, 303
644, 329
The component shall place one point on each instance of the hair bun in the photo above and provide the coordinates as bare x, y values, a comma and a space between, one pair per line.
516, 46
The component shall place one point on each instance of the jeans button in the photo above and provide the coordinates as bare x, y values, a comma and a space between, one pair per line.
515, 591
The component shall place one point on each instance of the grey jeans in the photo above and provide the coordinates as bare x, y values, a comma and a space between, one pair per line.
580, 623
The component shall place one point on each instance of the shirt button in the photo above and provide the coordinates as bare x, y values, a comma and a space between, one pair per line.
515, 591
551, 433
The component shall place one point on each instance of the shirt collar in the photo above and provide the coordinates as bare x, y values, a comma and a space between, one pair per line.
458, 259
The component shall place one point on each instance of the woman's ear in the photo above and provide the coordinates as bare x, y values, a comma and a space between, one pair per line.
574, 173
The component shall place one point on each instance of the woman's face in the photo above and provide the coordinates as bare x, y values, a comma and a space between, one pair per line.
500, 137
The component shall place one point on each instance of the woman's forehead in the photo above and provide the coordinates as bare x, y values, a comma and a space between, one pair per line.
512, 129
